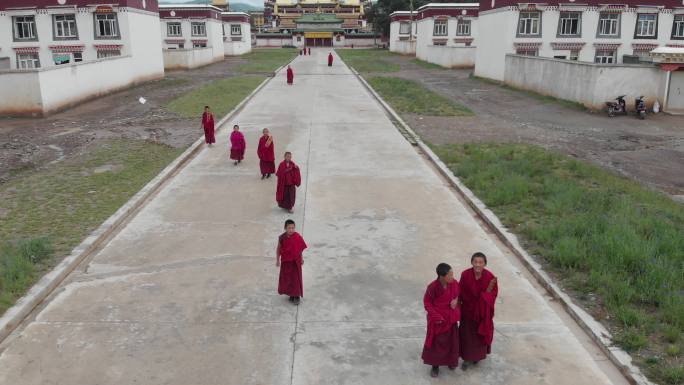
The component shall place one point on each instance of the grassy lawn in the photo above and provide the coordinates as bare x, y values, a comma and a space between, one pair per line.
368, 60
222, 95
266, 60
616, 245
48, 212
411, 97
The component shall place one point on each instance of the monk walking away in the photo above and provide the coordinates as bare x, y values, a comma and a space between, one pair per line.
289, 178
266, 154
290, 75
478, 294
208, 126
441, 347
289, 257
237, 145
330, 59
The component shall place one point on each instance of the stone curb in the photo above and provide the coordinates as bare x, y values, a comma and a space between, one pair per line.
15, 315
594, 328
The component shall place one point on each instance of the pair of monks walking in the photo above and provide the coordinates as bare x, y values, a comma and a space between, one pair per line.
288, 174
470, 301
290, 72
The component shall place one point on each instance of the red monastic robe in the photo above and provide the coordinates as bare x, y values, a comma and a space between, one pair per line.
289, 178
290, 76
330, 59
477, 315
237, 145
208, 125
266, 153
290, 281
441, 341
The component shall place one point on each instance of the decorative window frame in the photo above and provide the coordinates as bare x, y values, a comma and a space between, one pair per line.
54, 27
599, 35
636, 25
14, 30
96, 29
674, 24
541, 24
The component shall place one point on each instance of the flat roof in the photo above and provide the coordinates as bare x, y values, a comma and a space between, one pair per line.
449, 5
235, 13
190, 6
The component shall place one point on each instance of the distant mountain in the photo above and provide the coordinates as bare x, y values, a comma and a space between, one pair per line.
236, 7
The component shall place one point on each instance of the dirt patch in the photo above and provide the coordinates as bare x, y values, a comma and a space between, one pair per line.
34, 142
650, 151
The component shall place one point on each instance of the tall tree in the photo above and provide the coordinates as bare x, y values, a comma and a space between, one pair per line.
381, 9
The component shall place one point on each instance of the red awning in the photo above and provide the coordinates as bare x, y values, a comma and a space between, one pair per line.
572, 46
644, 46
174, 41
107, 47
26, 49
199, 40
66, 48
607, 46
527, 45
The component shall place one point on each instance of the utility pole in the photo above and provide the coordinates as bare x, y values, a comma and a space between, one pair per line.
410, 22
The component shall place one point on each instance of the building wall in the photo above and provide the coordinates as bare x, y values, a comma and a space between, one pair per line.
587, 83
146, 47
499, 26
176, 59
490, 57
47, 90
399, 42
274, 41
237, 44
455, 54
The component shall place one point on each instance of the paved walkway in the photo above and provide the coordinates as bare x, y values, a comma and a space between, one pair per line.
186, 293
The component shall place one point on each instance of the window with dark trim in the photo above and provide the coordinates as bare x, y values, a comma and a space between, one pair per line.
529, 23
199, 29
174, 29
25, 28
404, 28
646, 26
235, 29
609, 24
440, 28
463, 28
570, 24
27, 61
605, 56
678, 27
64, 27
106, 26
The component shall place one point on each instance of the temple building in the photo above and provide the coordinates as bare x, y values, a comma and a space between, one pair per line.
351, 12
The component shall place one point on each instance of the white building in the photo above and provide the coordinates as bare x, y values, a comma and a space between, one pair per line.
447, 34
402, 40
237, 33
192, 35
590, 31
54, 54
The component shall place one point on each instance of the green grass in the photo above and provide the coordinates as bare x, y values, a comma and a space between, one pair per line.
222, 95
534, 95
408, 96
427, 65
47, 212
266, 60
368, 60
599, 232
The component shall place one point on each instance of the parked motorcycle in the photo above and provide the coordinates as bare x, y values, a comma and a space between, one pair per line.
640, 107
619, 106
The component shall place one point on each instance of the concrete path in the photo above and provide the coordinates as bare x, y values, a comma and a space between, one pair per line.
186, 292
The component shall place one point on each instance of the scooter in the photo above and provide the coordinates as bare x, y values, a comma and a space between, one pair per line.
640, 107
619, 106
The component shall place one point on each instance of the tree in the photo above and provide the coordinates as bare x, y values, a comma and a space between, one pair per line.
380, 12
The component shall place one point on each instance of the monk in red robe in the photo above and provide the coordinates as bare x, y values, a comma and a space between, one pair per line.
478, 295
208, 126
266, 154
290, 75
441, 303
330, 59
289, 178
289, 258
237, 145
